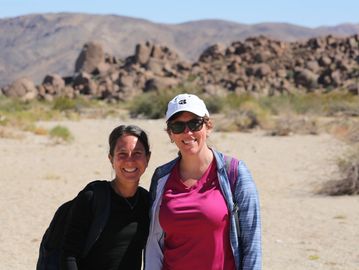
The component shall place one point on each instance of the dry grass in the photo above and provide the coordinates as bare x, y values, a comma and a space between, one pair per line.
347, 130
295, 124
348, 184
9, 133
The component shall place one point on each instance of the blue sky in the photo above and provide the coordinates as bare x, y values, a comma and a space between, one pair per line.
310, 13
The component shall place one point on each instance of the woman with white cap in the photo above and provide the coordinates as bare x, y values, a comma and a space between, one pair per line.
204, 214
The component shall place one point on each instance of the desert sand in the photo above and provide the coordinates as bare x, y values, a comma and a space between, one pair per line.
300, 229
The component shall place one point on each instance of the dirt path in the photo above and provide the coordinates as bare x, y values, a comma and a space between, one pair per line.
301, 230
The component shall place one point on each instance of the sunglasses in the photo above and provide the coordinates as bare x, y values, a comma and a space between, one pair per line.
193, 125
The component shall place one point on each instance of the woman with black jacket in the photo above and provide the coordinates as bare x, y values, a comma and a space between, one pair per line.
123, 237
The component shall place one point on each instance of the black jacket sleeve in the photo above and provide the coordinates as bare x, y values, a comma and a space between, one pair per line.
77, 230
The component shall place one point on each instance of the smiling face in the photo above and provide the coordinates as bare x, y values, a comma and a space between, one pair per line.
190, 142
129, 159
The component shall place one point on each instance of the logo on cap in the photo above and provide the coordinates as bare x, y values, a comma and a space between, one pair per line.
182, 101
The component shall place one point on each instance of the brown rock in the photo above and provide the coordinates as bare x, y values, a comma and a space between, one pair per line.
84, 84
158, 83
262, 70
22, 88
306, 78
142, 52
91, 56
53, 84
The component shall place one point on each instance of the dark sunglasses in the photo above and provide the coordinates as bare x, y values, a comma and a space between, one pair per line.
193, 125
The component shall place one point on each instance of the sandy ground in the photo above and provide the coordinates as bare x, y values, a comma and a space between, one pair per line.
301, 230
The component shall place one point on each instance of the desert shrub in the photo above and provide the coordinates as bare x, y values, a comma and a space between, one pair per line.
323, 104
23, 115
339, 103
149, 106
353, 134
349, 182
310, 103
9, 105
285, 125
153, 105
40, 131
343, 128
344, 108
248, 116
60, 134
277, 105
214, 104
7, 133
65, 104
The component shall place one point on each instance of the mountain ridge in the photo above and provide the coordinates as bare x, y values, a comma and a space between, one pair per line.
37, 44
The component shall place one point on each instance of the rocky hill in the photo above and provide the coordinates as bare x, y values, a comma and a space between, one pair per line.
258, 65
39, 44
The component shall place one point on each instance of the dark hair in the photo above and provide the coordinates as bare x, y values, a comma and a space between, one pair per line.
133, 130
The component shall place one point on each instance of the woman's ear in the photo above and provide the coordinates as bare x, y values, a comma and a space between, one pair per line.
170, 136
209, 127
148, 157
110, 159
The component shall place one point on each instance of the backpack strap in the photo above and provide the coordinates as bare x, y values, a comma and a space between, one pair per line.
231, 164
100, 208
232, 171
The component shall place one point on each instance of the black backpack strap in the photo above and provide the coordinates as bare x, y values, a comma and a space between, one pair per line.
101, 209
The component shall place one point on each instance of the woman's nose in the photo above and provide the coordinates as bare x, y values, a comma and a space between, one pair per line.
187, 130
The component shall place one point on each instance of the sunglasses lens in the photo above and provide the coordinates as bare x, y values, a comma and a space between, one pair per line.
177, 127
195, 124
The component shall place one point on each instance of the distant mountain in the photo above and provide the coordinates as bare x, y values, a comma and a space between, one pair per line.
39, 44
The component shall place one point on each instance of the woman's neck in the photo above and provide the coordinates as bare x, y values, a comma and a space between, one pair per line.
125, 191
193, 166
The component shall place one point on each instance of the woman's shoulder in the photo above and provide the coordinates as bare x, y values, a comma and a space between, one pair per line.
99, 187
142, 190
144, 195
165, 168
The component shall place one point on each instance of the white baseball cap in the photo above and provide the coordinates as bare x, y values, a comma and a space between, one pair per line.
188, 103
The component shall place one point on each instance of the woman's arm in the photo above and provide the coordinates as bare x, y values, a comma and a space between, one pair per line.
76, 231
249, 219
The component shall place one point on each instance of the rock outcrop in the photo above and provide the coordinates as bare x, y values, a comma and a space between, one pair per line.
258, 66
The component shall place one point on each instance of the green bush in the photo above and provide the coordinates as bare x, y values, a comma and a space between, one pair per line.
153, 105
9, 105
149, 105
248, 115
65, 104
74, 104
60, 133
23, 114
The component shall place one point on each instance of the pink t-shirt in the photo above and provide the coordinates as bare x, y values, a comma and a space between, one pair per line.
196, 224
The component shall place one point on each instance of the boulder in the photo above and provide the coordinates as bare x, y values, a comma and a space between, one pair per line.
313, 66
142, 52
53, 84
158, 83
156, 66
306, 78
85, 85
216, 51
262, 70
22, 88
90, 58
